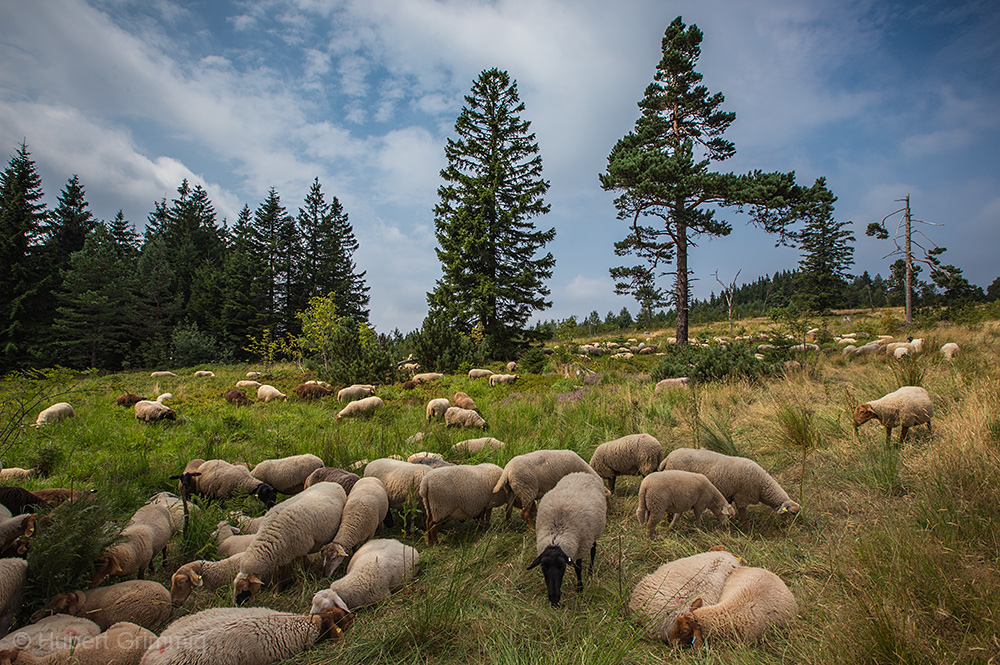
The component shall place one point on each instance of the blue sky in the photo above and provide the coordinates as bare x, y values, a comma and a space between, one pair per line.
882, 98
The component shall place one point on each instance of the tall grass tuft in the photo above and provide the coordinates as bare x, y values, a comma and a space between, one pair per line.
797, 430
908, 371
719, 437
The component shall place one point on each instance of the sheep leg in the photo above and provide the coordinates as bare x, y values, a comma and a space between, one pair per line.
611, 484
744, 519
578, 567
697, 517
651, 527
673, 521
432, 530
888, 436
593, 553
902, 433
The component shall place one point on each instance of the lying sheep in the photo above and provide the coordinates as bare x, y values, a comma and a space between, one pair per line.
427, 377
141, 602
18, 500
16, 473
675, 492
364, 511
361, 408
571, 517
463, 401
237, 397
666, 593
503, 379
436, 408
950, 350
204, 374
376, 570
287, 474
907, 407
475, 446
51, 634
268, 393
228, 540
480, 373
741, 481
123, 643
248, 384
149, 411
666, 384
13, 576
244, 636
529, 476
146, 534
55, 496
752, 601
55, 413
220, 480
628, 456
357, 391
294, 528
456, 417
460, 492
254, 375
161, 374
311, 391
329, 474
128, 399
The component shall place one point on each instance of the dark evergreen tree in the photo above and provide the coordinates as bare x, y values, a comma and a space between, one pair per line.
159, 306
68, 224
658, 174
22, 215
827, 253
244, 302
275, 236
493, 188
326, 264
124, 234
993, 291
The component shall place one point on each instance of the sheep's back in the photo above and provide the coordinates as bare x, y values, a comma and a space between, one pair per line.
573, 514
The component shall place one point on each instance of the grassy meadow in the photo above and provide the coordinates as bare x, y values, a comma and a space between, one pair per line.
895, 557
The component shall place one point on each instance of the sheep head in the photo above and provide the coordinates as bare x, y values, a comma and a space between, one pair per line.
245, 587
729, 511
63, 603
333, 621
333, 555
863, 414
105, 565
687, 630
327, 598
789, 508
553, 562
182, 583
267, 494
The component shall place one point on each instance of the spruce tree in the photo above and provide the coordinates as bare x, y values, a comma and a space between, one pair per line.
243, 309
668, 195
487, 242
827, 254
22, 215
68, 224
275, 235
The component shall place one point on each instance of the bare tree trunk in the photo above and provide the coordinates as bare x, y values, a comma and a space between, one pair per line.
909, 266
681, 291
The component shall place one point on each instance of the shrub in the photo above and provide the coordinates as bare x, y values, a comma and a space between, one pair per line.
190, 346
712, 363
533, 361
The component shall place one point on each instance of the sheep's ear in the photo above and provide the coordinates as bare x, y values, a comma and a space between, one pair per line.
29, 524
696, 603
697, 641
195, 579
538, 560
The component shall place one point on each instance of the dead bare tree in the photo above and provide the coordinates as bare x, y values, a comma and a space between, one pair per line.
727, 293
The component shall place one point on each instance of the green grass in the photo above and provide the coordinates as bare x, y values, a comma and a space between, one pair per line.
894, 558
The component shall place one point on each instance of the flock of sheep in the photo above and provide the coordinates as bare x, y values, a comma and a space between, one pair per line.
336, 514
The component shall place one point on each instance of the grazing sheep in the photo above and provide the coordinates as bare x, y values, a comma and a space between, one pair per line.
401, 479
456, 417
55, 413
900, 352
158, 375
628, 456
211, 575
675, 492
248, 384
529, 476
229, 542
376, 570
268, 393
361, 407
128, 399
254, 375
149, 411
55, 496
666, 593
950, 350
243, 636
410, 385
474, 446
13, 576
571, 517
123, 643
294, 528
480, 373
752, 600
503, 379
742, 481
665, 384
175, 506
364, 511
220, 480
237, 397
907, 407
427, 377
311, 391
433, 460
287, 474
329, 474
461, 492
357, 391
204, 374
436, 408
147, 533
463, 401
141, 602
17, 499
51, 634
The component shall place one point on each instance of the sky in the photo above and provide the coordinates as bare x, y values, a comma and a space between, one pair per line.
882, 98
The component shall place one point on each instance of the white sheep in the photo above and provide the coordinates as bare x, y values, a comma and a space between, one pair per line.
150, 411
907, 407
503, 379
461, 492
742, 481
246, 383
571, 517
456, 417
366, 507
219, 479
229, 542
675, 492
145, 535
433, 460
243, 636
161, 374
376, 570
16, 474
474, 446
254, 375
357, 391
51, 634
663, 595
361, 407
294, 528
950, 350
287, 474
268, 393
204, 374
480, 373
55, 413
141, 602
437, 407
666, 384
13, 575
752, 601
427, 377
628, 456
401, 479
529, 476
123, 643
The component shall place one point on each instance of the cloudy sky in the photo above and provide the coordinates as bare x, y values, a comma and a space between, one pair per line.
882, 98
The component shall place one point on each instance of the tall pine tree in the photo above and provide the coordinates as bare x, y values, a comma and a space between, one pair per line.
487, 242
243, 309
275, 235
827, 254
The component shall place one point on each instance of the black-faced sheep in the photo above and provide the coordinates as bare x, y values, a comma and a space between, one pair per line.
150, 411
220, 480
907, 407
